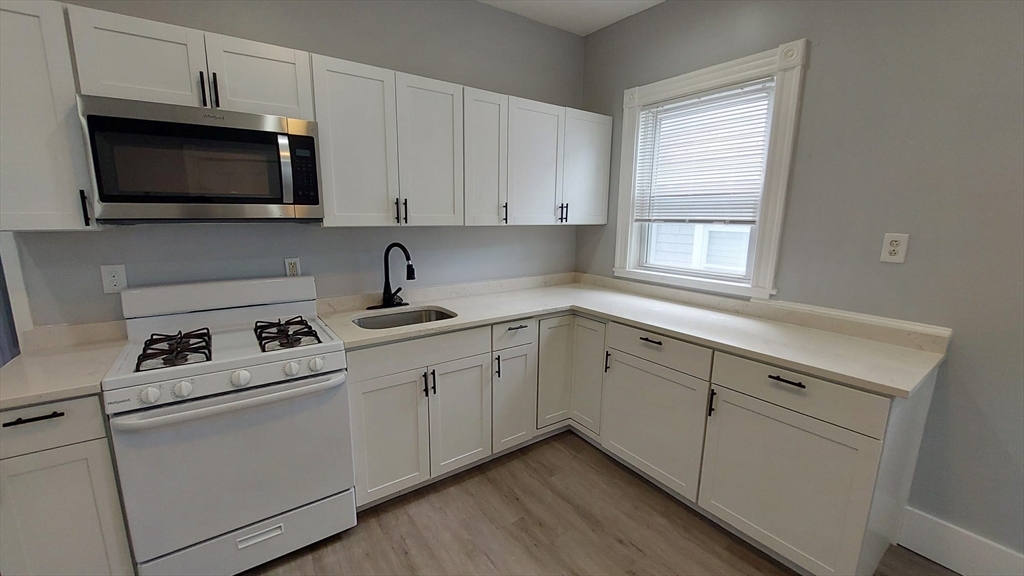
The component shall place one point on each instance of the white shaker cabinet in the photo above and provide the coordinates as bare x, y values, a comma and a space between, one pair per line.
249, 76
554, 374
514, 394
587, 158
486, 152
358, 131
535, 148
796, 484
43, 172
460, 413
430, 151
588, 362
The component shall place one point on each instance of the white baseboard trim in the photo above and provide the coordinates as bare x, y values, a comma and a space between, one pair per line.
956, 548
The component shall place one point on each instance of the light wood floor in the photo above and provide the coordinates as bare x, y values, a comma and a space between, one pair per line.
558, 507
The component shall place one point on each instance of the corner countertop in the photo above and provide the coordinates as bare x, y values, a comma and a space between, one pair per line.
876, 367
56, 373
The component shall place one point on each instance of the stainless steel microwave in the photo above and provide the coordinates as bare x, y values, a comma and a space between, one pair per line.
154, 161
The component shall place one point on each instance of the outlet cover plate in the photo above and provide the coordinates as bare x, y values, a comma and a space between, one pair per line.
114, 278
894, 248
292, 267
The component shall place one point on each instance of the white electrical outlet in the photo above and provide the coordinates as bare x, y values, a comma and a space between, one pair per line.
894, 248
114, 279
291, 267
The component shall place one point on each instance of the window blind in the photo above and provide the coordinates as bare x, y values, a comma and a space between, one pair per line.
702, 158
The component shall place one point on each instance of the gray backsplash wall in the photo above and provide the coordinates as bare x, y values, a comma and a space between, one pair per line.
912, 121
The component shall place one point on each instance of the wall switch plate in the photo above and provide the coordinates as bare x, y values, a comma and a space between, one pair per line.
114, 278
291, 267
894, 248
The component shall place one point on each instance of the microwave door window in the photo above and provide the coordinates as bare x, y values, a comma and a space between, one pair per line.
232, 173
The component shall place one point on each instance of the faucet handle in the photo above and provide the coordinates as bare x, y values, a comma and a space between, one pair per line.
395, 298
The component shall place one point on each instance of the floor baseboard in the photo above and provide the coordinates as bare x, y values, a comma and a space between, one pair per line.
956, 548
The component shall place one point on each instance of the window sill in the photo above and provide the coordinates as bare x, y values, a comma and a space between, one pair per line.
700, 284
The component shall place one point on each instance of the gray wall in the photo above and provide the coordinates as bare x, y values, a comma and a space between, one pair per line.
464, 42
913, 121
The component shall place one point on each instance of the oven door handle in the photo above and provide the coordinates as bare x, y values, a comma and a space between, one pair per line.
143, 422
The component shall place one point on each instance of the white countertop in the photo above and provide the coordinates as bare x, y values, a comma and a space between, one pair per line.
56, 373
885, 369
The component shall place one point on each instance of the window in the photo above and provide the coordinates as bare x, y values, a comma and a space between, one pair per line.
706, 174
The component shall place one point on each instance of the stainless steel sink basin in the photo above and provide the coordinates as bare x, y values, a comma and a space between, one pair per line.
403, 317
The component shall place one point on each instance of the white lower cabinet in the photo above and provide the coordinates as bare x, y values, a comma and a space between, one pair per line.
514, 396
59, 513
554, 373
654, 419
588, 362
798, 485
460, 413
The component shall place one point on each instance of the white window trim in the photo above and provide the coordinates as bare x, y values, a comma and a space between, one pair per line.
787, 64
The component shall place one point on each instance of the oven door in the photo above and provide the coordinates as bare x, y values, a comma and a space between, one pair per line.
196, 470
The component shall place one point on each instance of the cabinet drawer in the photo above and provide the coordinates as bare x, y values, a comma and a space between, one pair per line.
58, 424
677, 355
852, 409
515, 333
367, 363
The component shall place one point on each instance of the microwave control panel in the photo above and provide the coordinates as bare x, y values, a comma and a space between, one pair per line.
305, 188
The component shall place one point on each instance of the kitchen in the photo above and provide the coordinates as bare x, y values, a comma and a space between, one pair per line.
489, 146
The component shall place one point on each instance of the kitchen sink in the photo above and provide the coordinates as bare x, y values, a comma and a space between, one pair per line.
403, 317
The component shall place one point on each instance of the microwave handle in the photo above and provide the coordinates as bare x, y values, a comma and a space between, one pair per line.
287, 182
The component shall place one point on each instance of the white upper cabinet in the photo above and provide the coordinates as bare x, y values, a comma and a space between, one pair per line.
124, 57
535, 148
42, 151
588, 364
588, 150
249, 76
430, 151
358, 132
486, 129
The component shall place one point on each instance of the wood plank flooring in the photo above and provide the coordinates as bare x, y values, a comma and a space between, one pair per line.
560, 506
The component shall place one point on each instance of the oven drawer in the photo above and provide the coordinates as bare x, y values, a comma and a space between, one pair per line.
253, 545
50, 425
512, 334
675, 354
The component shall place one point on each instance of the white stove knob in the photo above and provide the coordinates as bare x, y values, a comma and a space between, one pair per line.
150, 395
316, 364
240, 378
183, 389
291, 368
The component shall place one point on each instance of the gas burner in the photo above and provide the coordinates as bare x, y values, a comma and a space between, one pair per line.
166, 350
290, 333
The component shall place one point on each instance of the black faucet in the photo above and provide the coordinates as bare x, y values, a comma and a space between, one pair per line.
392, 299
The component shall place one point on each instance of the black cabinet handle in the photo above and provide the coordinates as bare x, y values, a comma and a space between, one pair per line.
20, 421
505, 217
85, 206
216, 90
405, 204
202, 87
566, 212
426, 389
398, 212
499, 366
784, 381
433, 376
514, 328
711, 402
649, 341
607, 357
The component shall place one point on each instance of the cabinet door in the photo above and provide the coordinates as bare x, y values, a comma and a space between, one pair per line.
554, 374
654, 419
796, 484
390, 434
535, 134
430, 151
358, 130
514, 389
588, 151
249, 76
588, 353
460, 413
59, 513
42, 152
486, 129
124, 57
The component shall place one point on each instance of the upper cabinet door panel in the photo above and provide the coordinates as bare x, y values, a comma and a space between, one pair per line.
486, 128
588, 149
430, 151
125, 57
249, 76
535, 149
358, 130
42, 153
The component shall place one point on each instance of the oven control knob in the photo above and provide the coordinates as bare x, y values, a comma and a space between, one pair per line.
240, 378
150, 395
291, 368
316, 364
183, 389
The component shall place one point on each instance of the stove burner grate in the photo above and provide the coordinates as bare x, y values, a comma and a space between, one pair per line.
166, 350
290, 333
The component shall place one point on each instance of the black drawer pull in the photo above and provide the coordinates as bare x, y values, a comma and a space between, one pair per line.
784, 381
20, 421
520, 327
649, 341
499, 366
607, 356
